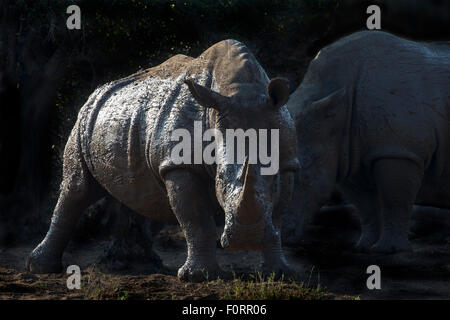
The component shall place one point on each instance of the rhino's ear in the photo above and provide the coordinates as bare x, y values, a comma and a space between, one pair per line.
278, 92
206, 97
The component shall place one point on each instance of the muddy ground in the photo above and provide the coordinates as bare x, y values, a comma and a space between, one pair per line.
328, 269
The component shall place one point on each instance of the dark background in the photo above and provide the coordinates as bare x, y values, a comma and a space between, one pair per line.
47, 72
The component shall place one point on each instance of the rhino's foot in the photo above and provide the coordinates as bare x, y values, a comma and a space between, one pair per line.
280, 271
196, 272
391, 245
37, 262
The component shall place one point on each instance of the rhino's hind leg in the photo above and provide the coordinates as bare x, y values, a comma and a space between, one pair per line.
397, 181
191, 205
77, 191
367, 202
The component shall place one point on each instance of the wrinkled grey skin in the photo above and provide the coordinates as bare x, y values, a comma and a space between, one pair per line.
373, 119
121, 144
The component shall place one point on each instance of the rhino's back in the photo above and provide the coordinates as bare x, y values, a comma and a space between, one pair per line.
375, 62
117, 124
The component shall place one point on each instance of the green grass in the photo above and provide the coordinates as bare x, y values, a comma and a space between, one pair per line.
101, 286
261, 288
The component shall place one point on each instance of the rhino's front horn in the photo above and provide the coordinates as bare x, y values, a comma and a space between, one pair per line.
206, 97
249, 210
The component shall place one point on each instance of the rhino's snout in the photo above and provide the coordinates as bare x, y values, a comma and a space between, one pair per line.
246, 237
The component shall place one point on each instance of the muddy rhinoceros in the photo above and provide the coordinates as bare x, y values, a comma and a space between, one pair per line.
123, 144
373, 118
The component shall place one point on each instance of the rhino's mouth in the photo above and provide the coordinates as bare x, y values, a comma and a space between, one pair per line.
253, 236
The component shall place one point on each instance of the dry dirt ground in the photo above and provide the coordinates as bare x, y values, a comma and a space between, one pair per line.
328, 269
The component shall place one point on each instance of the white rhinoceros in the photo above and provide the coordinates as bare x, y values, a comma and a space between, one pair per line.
122, 144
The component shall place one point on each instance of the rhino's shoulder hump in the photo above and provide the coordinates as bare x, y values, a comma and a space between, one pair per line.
223, 46
171, 68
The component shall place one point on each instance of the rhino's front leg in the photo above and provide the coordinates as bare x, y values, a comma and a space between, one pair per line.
398, 181
191, 204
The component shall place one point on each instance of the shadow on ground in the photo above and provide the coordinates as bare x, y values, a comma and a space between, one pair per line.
324, 260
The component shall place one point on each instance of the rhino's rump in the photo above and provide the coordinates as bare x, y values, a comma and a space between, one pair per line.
398, 93
116, 130
399, 100
401, 105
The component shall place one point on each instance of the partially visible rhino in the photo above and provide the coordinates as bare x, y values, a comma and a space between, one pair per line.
373, 118
122, 143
